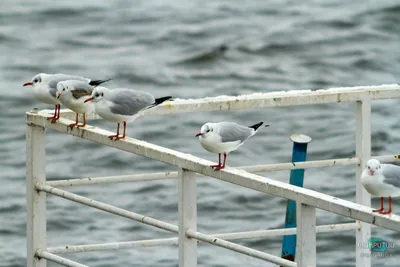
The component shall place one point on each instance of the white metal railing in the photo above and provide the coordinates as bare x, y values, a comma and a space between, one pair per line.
188, 166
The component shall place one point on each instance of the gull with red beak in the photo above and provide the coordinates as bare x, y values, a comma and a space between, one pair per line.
122, 105
382, 180
45, 89
225, 137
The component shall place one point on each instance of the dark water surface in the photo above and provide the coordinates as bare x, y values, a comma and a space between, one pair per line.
194, 49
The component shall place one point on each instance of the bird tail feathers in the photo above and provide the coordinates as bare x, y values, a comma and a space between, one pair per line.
159, 101
98, 82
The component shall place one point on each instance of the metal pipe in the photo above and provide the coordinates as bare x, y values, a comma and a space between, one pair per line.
286, 231
187, 211
174, 174
264, 100
299, 154
57, 259
114, 246
174, 240
251, 169
108, 208
363, 151
232, 175
35, 200
240, 249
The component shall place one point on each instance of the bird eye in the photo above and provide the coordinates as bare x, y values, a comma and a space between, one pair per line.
35, 80
208, 130
96, 95
64, 89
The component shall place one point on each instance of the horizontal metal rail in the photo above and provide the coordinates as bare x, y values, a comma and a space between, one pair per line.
114, 245
57, 259
264, 100
108, 208
240, 249
251, 169
231, 175
174, 240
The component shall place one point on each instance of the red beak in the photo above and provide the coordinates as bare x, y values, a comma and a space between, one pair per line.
199, 134
28, 83
89, 99
371, 172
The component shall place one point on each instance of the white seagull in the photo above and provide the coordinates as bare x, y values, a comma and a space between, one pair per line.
225, 137
382, 180
45, 88
122, 105
72, 94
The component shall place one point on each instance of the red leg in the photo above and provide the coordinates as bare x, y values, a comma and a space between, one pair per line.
390, 207
223, 165
72, 125
111, 137
84, 121
56, 115
123, 136
382, 208
219, 162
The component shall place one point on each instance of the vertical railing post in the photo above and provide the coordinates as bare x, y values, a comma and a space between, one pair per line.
306, 236
299, 154
187, 206
363, 152
35, 200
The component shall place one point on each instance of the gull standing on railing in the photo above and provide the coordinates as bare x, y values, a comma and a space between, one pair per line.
121, 105
72, 94
382, 180
225, 137
45, 88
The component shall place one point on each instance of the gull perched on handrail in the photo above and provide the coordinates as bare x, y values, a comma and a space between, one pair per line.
45, 88
122, 105
382, 180
225, 137
72, 94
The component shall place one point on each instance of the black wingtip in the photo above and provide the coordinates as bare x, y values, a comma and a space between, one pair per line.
98, 82
256, 126
160, 100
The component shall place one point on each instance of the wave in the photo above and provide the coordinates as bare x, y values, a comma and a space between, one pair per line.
205, 57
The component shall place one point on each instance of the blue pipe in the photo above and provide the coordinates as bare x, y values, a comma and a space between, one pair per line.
299, 154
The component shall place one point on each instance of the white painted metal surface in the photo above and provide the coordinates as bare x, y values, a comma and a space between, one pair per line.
251, 169
60, 260
191, 166
107, 208
264, 100
363, 152
174, 241
306, 247
187, 206
239, 248
231, 175
36, 200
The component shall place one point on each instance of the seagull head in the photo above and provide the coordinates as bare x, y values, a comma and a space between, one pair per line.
374, 167
97, 94
205, 130
36, 80
63, 90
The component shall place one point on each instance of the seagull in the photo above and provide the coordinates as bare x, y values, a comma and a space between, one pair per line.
122, 105
225, 137
382, 180
72, 94
45, 88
